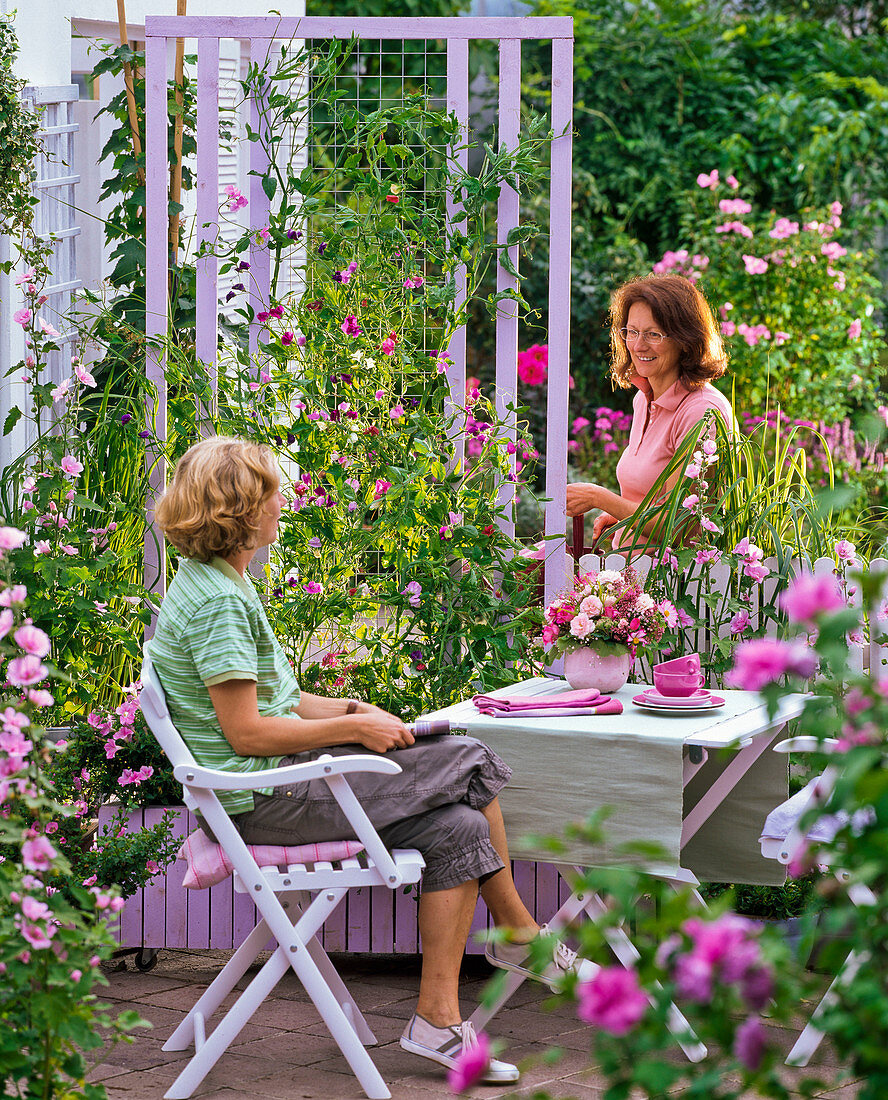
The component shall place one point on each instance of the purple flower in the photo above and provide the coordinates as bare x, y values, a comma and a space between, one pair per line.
750, 1041
762, 661
287, 338
809, 595
322, 247
243, 266
294, 234
144, 435
125, 418
412, 591
612, 1000
350, 326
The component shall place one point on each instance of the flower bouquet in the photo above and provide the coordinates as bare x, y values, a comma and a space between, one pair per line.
607, 614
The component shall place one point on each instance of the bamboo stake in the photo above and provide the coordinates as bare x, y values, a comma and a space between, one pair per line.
130, 93
176, 167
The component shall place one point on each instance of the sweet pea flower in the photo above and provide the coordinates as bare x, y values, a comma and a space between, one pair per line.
412, 591
32, 640
350, 326
313, 588
235, 199
71, 466
381, 488
396, 412
612, 1000
691, 501
388, 345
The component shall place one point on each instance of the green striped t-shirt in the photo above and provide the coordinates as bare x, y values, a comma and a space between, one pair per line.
212, 628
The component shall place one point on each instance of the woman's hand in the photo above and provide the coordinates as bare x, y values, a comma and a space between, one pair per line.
582, 497
601, 524
380, 731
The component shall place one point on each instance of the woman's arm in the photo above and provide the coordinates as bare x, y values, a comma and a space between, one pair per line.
582, 497
322, 722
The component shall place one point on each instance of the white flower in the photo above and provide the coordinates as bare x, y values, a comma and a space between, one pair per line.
591, 605
608, 576
644, 603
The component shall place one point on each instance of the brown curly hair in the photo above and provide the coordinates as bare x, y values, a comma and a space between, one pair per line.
213, 503
683, 314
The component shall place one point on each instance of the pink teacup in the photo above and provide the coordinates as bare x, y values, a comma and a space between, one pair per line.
689, 663
679, 677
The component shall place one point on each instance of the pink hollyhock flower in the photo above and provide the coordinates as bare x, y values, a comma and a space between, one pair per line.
471, 1064
32, 640
854, 329
690, 501
40, 698
34, 909
810, 595
22, 317
750, 1041
707, 525
612, 1000
83, 375
71, 466
846, 552
11, 538
38, 937
25, 671
6, 621
740, 622
37, 854
762, 661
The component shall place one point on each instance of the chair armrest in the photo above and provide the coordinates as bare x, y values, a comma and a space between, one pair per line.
193, 775
807, 743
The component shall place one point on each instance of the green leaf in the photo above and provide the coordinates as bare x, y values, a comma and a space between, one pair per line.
12, 418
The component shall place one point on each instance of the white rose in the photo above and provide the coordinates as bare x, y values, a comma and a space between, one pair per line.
608, 576
581, 626
644, 602
591, 606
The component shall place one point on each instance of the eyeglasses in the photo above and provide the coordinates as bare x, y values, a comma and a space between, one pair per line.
651, 336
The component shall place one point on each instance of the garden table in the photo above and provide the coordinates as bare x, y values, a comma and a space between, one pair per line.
699, 784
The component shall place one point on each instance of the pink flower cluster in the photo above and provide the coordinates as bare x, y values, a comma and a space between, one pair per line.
692, 267
533, 364
607, 422
607, 606
613, 1000
235, 199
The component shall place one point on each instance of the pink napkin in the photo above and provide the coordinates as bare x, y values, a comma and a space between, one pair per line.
566, 703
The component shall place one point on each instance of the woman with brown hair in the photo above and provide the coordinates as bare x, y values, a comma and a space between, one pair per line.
664, 341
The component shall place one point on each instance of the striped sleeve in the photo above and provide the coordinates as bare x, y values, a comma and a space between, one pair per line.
221, 642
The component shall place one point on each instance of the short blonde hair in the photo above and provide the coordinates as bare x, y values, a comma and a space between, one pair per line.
213, 503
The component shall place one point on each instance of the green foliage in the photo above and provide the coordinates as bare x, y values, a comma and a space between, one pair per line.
797, 306
53, 934
19, 144
666, 90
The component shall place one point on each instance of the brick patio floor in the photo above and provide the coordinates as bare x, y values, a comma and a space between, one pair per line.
284, 1053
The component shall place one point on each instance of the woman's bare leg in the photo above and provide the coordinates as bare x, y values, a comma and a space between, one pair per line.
445, 917
498, 892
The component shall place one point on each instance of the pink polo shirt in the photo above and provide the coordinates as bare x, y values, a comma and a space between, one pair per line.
658, 427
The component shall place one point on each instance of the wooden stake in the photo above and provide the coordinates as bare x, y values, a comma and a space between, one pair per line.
176, 167
130, 93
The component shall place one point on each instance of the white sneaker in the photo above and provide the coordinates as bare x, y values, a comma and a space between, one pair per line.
445, 1044
518, 956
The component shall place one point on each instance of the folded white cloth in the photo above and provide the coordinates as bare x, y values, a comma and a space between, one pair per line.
783, 818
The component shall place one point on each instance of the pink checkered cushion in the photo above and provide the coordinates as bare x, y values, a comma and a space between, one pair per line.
208, 863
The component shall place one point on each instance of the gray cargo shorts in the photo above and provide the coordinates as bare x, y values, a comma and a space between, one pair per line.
433, 805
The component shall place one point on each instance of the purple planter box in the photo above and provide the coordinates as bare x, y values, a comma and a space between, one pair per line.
165, 914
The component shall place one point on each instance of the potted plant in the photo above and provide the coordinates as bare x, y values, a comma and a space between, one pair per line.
600, 625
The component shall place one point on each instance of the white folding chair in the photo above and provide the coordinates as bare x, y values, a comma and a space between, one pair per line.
784, 838
294, 902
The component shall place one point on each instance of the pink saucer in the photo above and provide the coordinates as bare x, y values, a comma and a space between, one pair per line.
701, 695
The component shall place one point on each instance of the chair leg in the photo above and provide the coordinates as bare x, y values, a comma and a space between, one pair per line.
811, 1037
340, 992
483, 1014
215, 993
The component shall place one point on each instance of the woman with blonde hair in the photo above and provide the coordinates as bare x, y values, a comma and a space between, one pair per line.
238, 705
665, 342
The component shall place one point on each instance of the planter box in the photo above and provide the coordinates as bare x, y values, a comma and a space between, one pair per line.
165, 914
